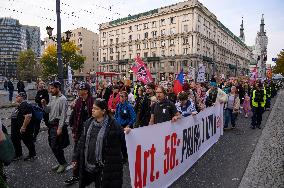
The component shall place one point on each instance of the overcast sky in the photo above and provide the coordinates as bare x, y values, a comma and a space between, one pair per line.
89, 13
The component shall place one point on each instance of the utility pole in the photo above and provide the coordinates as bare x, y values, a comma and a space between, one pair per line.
59, 47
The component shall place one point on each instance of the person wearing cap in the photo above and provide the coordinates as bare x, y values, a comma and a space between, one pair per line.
21, 128
214, 95
57, 129
114, 99
82, 111
185, 106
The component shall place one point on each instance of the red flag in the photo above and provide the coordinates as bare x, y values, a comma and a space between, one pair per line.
140, 70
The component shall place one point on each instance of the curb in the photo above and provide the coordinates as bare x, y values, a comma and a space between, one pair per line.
266, 166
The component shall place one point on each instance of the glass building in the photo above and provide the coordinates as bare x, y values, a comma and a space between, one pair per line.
15, 38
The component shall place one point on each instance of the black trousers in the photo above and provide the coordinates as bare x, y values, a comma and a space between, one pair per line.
26, 137
88, 178
76, 167
55, 146
257, 116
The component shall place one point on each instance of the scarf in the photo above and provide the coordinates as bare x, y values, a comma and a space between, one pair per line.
92, 164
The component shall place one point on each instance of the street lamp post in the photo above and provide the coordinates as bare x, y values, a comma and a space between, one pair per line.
59, 41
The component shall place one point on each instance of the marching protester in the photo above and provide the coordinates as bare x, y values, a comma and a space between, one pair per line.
258, 104
215, 94
185, 106
268, 91
138, 106
163, 110
98, 153
11, 90
82, 111
58, 137
105, 91
7, 154
114, 99
231, 108
171, 94
22, 129
21, 86
145, 111
246, 105
125, 117
42, 93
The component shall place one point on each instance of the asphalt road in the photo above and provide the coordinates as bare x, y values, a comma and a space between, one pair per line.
222, 166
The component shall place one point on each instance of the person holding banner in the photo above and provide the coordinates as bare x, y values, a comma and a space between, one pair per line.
98, 154
215, 94
185, 106
231, 108
163, 110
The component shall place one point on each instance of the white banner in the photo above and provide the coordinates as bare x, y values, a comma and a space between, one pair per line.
159, 154
191, 73
201, 73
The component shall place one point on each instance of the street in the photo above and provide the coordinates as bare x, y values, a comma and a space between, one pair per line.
222, 166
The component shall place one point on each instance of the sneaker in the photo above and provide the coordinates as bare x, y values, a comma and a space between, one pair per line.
71, 180
29, 157
55, 168
233, 127
61, 168
18, 158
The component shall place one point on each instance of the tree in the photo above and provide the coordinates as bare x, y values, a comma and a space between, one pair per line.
70, 57
279, 67
27, 66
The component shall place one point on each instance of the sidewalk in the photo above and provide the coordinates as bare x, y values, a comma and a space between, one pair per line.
266, 167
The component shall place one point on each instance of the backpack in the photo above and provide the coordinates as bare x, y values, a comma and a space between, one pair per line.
37, 112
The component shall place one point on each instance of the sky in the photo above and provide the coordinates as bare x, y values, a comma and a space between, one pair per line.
90, 13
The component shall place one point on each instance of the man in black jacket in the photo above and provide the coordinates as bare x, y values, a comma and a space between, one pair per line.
21, 86
10, 89
42, 93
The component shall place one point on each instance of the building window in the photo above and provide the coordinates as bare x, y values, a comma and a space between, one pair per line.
153, 54
185, 28
130, 56
172, 20
130, 37
111, 50
138, 36
111, 58
163, 32
145, 25
104, 34
104, 59
163, 43
172, 31
154, 44
138, 46
117, 32
79, 34
145, 54
130, 47
185, 40
154, 33
145, 45
130, 29
172, 42
154, 24
163, 22
138, 54
122, 31
111, 41
172, 63
163, 53
146, 35
199, 18
185, 51
116, 40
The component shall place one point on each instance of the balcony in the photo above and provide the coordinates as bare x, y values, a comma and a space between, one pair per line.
123, 61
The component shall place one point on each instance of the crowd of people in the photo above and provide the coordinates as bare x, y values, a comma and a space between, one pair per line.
100, 120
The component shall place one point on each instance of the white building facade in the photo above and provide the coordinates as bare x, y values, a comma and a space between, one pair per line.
170, 39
